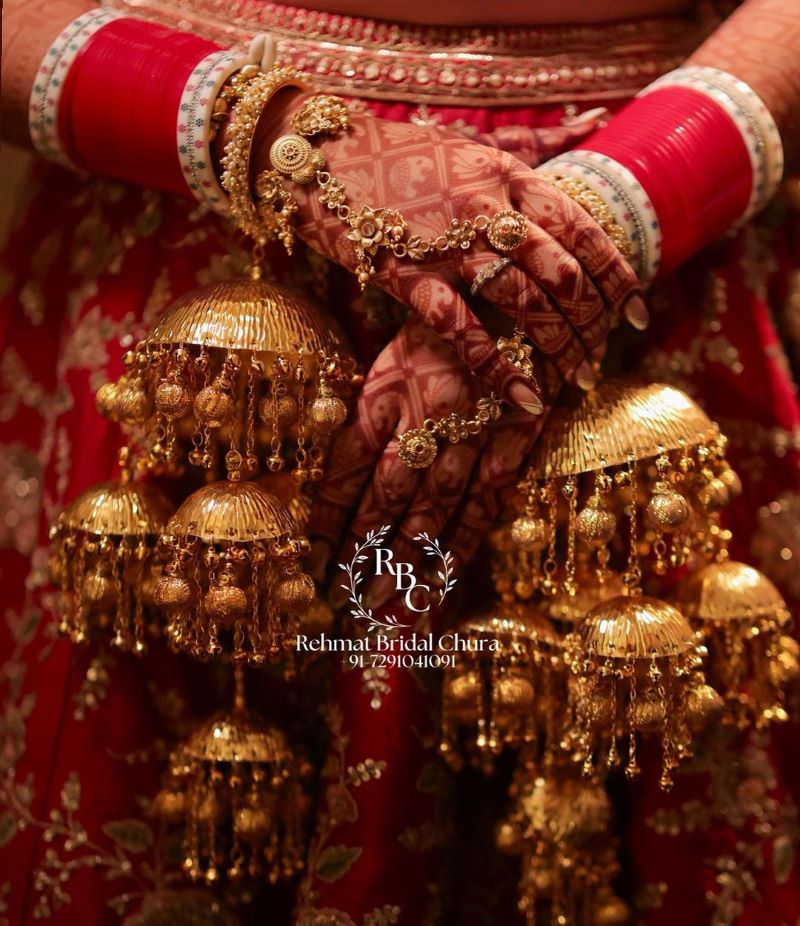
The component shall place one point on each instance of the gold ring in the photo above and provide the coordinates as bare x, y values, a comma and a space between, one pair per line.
507, 230
488, 272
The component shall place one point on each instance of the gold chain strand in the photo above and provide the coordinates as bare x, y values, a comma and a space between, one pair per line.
418, 447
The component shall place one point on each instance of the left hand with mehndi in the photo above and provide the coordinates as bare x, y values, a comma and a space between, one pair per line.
367, 485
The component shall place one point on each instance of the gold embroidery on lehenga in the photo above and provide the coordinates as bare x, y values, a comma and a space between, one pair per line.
741, 796
327, 860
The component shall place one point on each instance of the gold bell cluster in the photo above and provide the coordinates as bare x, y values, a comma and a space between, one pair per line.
619, 618
560, 827
232, 581
106, 562
242, 376
247, 382
506, 690
238, 789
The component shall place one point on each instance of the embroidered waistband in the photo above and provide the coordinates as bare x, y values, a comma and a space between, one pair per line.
458, 66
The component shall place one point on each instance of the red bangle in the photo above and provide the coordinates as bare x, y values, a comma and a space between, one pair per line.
690, 158
120, 102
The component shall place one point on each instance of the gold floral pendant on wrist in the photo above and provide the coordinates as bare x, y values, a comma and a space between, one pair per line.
418, 447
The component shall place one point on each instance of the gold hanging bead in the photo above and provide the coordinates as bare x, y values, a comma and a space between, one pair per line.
713, 495
225, 601
295, 592
667, 510
327, 413
173, 399
173, 593
596, 524
215, 404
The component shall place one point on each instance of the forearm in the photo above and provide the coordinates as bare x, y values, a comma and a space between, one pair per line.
29, 28
760, 44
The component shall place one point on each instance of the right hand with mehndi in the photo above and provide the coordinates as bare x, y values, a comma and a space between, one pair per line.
565, 286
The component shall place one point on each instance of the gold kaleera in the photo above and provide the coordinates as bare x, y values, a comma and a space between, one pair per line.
238, 788
743, 620
560, 825
239, 375
506, 689
641, 453
233, 581
105, 560
634, 660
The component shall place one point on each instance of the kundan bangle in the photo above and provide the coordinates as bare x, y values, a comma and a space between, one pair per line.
580, 191
272, 218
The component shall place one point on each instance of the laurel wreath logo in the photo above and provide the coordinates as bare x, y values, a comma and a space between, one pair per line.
374, 539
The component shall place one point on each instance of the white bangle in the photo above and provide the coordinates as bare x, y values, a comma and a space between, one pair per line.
194, 126
750, 116
45, 99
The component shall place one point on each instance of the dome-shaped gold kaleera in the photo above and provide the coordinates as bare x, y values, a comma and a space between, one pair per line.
636, 627
239, 737
564, 808
731, 591
243, 314
614, 422
236, 511
124, 509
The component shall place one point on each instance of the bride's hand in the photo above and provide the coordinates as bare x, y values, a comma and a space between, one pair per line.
367, 485
567, 282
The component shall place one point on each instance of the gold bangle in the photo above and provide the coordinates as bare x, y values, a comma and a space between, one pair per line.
580, 192
260, 223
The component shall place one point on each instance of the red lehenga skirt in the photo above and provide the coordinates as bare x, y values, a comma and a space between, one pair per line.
85, 732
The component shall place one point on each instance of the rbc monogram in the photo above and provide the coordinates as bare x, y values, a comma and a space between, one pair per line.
405, 580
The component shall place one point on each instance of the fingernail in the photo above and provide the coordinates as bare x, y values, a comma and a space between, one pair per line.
637, 314
526, 398
584, 376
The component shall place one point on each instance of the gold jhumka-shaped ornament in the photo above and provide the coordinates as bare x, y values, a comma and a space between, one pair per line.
505, 690
238, 787
243, 371
634, 660
624, 477
560, 826
233, 582
743, 620
106, 562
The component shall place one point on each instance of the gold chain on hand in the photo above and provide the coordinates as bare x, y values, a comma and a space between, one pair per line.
418, 447
371, 229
